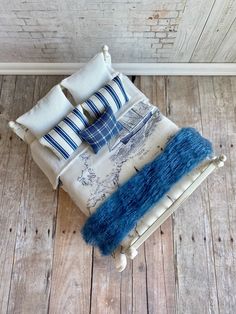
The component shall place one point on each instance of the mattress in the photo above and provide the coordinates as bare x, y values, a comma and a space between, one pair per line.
90, 179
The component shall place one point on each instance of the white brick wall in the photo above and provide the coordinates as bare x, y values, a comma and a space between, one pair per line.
73, 30
135, 30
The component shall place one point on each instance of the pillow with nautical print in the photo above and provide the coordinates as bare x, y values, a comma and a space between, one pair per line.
64, 138
112, 95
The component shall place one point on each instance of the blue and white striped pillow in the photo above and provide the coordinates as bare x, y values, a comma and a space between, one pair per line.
112, 95
64, 138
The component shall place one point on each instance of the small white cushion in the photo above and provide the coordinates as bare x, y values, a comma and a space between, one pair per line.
46, 113
88, 80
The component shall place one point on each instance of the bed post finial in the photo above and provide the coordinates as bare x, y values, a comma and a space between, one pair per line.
107, 56
17, 129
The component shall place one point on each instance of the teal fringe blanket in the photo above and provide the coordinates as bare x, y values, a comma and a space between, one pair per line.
119, 214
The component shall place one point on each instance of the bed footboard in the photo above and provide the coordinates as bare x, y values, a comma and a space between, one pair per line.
130, 251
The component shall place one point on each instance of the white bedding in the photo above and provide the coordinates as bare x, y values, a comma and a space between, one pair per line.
89, 178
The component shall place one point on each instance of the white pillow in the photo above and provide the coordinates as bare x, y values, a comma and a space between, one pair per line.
88, 80
47, 112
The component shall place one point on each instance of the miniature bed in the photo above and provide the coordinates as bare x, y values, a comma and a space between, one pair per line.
94, 179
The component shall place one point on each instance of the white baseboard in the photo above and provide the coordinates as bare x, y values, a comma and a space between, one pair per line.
203, 69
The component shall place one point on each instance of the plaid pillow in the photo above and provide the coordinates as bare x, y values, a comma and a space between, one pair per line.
101, 131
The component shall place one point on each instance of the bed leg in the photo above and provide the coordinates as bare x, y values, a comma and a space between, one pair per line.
220, 161
131, 252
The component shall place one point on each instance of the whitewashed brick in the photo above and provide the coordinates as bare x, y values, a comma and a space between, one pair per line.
167, 45
160, 35
11, 21
49, 50
167, 40
180, 6
164, 21
139, 28
48, 14
157, 46
164, 14
36, 34
31, 21
39, 45
11, 28
138, 34
23, 14
72, 30
171, 35
158, 28
19, 34
40, 28
151, 22
3, 34
148, 34
32, 6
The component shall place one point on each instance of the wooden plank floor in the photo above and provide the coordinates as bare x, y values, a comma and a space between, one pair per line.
188, 266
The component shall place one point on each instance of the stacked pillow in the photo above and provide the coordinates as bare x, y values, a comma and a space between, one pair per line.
64, 138
61, 127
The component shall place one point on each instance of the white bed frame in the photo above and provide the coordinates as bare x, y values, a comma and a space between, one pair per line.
130, 251
121, 254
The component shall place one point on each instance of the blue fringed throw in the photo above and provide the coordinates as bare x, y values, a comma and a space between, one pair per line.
118, 215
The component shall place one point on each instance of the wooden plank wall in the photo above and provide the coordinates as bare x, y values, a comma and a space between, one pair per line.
206, 32
186, 266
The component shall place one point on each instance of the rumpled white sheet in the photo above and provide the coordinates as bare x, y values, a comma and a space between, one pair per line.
91, 178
